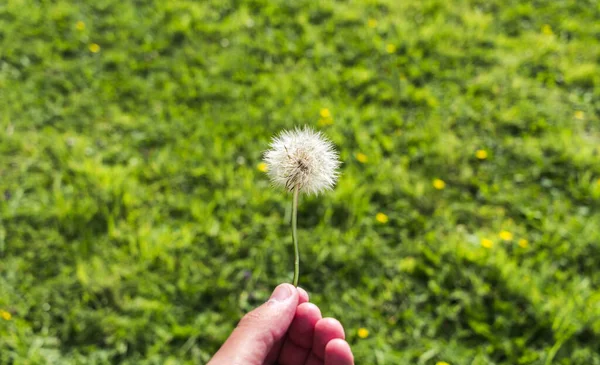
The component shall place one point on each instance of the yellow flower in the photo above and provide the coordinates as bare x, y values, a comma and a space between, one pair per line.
5, 315
441, 363
481, 154
262, 167
94, 48
598, 182
547, 29
80, 25
579, 115
439, 184
372, 23
361, 157
506, 235
363, 333
325, 113
523, 243
487, 243
382, 218
390, 48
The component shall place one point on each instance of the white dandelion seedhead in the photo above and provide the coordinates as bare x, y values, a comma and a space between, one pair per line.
302, 158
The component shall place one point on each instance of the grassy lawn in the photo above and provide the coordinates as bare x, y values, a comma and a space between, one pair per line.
136, 225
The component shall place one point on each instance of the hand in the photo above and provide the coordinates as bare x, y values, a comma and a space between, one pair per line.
286, 330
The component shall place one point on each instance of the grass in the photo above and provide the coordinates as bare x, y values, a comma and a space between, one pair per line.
136, 226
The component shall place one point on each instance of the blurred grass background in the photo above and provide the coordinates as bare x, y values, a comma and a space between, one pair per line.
136, 225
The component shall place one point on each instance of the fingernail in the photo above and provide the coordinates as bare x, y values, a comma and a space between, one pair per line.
281, 293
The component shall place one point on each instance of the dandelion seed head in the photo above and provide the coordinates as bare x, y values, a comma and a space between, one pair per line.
302, 158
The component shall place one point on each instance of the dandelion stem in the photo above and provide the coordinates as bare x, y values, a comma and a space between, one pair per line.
295, 234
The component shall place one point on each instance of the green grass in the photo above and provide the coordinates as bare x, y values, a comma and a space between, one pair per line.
136, 228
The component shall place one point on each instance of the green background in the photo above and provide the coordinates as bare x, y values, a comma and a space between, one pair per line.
136, 227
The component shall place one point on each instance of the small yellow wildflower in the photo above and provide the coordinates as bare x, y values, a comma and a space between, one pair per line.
547, 29
506, 235
481, 154
487, 243
325, 113
361, 157
441, 363
80, 25
523, 243
5, 315
372, 23
262, 167
363, 333
381, 218
439, 184
579, 115
390, 48
94, 48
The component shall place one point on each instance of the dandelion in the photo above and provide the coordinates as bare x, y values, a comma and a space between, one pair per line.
441, 363
361, 157
579, 115
505, 235
372, 23
381, 218
5, 315
439, 184
523, 243
363, 333
487, 243
481, 154
94, 48
325, 113
390, 48
262, 167
301, 161
80, 25
326, 118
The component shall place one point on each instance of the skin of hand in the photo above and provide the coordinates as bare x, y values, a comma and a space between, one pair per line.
286, 330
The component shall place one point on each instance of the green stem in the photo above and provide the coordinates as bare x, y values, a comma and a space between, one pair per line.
295, 235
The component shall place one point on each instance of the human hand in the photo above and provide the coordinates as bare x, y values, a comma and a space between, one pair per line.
286, 330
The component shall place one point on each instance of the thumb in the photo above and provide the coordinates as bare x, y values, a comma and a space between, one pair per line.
259, 330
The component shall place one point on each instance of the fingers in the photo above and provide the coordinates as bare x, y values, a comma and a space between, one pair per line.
276, 349
298, 343
259, 331
326, 330
302, 295
337, 352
